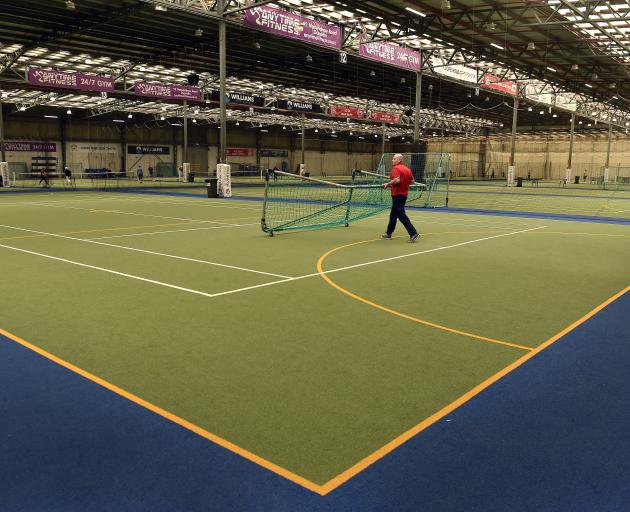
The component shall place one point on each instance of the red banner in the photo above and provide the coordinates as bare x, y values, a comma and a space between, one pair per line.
492, 82
385, 117
239, 152
347, 112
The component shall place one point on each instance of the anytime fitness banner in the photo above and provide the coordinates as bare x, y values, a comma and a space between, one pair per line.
168, 91
34, 147
492, 82
347, 112
385, 117
65, 80
391, 54
286, 24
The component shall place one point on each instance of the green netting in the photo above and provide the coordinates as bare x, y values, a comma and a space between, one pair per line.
432, 169
294, 202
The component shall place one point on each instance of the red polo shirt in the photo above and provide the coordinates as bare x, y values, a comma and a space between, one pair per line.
406, 179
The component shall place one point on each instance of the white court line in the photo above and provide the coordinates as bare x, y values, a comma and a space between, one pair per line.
170, 231
205, 262
130, 276
378, 261
229, 292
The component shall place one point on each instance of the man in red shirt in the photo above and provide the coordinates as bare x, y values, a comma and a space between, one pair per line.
399, 181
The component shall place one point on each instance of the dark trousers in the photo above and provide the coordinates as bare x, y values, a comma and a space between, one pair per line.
398, 212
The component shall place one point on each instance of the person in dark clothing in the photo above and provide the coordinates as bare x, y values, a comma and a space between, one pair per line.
43, 176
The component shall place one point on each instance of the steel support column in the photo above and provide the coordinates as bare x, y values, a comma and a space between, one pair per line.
570, 161
185, 149
416, 122
2, 154
607, 166
383, 147
511, 169
303, 140
222, 86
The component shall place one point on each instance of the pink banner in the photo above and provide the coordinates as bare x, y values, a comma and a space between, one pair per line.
347, 112
286, 24
168, 91
391, 54
385, 117
492, 82
66, 80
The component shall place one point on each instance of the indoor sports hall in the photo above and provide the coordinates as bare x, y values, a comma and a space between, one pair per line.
311, 255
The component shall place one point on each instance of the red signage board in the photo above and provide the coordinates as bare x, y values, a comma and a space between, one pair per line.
385, 117
240, 152
347, 112
492, 82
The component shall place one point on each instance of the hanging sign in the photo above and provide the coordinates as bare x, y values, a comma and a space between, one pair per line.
93, 148
238, 98
392, 54
286, 24
66, 80
385, 117
492, 82
299, 106
167, 91
456, 71
148, 150
347, 112
33, 147
274, 153
239, 152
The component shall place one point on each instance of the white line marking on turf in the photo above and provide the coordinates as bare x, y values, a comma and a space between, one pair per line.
204, 262
171, 231
377, 261
131, 276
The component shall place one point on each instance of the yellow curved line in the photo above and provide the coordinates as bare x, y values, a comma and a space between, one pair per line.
354, 296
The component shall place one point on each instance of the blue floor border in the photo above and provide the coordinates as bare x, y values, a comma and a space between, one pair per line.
551, 436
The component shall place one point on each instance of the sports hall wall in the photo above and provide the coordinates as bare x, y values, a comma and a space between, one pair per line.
540, 156
89, 144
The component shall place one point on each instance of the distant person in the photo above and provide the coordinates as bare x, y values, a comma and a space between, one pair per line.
43, 177
139, 173
584, 177
399, 180
275, 173
492, 175
180, 173
68, 174
529, 175
151, 173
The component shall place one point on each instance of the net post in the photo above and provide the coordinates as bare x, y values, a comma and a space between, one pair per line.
349, 204
263, 224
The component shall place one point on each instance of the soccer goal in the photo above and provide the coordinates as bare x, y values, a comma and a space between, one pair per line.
293, 202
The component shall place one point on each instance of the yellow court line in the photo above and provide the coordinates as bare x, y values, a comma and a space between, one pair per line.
170, 416
392, 445
354, 296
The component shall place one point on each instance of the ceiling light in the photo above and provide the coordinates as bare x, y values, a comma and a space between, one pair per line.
22, 108
70, 5
497, 46
350, 133
574, 67
531, 46
579, 122
445, 5
551, 69
555, 115
118, 120
491, 25
589, 124
309, 58
284, 127
195, 121
257, 45
529, 109
130, 116
403, 80
161, 118
69, 112
542, 112
595, 76
589, 86
51, 117
316, 130
198, 32
375, 136
238, 124
159, 7
372, 73
416, 12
